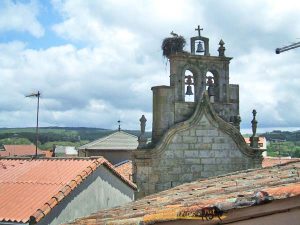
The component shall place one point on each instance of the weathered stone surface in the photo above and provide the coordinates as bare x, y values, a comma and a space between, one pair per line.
193, 139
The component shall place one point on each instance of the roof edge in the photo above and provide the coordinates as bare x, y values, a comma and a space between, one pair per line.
70, 186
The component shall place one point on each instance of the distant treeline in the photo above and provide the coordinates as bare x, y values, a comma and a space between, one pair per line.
48, 135
292, 136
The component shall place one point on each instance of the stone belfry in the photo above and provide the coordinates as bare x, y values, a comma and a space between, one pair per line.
196, 71
195, 130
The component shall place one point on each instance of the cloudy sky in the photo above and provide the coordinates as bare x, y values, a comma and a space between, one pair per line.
96, 61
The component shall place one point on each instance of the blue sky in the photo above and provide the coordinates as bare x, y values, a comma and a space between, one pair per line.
96, 61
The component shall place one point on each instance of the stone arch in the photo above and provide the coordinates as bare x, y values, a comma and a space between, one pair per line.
214, 75
197, 79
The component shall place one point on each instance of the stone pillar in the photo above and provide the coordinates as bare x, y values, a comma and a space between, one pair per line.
254, 139
142, 138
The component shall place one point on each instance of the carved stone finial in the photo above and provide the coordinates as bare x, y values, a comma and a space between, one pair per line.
254, 123
221, 49
142, 138
143, 121
254, 138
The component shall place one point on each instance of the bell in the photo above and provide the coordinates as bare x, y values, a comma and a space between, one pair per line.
200, 47
189, 90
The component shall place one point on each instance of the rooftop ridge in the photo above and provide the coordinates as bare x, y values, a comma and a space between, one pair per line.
71, 185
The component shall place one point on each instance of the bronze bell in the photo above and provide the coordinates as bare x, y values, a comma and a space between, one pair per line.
189, 90
200, 47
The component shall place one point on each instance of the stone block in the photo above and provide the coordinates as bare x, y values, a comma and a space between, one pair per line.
203, 146
208, 161
169, 154
219, 140
177, 139
209, 167
235, 153
192, 132
196, 168
189, 140
192, 161
207, 140
221, 153
206, 153
191, 154
199, 139
185, 133
223, 161
175, 170
213, 133
206, 174
186, 169
186, 177
178, 153
201, 132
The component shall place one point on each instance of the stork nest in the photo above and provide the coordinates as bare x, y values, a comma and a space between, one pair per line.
172, 45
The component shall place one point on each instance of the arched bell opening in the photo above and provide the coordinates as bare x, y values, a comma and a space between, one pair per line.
212, 86
189, 86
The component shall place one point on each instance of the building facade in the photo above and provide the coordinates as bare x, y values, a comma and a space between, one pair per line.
195, 131
116, 147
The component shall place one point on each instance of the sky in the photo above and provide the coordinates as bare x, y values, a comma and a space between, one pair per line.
95, 61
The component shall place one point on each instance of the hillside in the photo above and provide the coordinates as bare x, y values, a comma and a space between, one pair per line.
72, 136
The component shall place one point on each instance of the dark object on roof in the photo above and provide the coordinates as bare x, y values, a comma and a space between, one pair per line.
172, 45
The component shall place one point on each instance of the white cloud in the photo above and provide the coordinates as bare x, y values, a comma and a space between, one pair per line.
113, 59
16, 16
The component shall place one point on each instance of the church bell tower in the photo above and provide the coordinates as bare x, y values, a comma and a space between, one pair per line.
192, 74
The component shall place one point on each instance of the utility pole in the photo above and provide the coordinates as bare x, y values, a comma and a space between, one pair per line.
38, 94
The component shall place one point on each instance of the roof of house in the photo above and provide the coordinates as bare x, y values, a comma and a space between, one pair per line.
66, 150
19, 150
229, 192
125, 168
272, 161
261, 140
118, 140
30, 188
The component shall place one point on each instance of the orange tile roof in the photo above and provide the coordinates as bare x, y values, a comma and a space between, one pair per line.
19, 150
229, 192
272, 161
261, 140
30, 188
125, 168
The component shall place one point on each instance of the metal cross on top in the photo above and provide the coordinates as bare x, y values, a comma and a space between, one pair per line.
199, 29
119, 122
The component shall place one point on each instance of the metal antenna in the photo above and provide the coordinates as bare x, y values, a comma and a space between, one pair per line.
288, 47
38, 94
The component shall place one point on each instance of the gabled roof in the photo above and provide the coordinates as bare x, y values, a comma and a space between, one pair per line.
125, 168
119, 140
228, 192
30, 188
19, 150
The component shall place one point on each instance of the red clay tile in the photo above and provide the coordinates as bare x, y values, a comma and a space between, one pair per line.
30, 188
20, 150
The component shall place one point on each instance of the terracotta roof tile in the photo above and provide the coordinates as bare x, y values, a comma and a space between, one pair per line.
30, 188
19, 150
125, 168
232, 191
272, 161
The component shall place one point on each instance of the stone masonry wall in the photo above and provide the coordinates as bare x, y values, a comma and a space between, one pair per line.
200, 151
